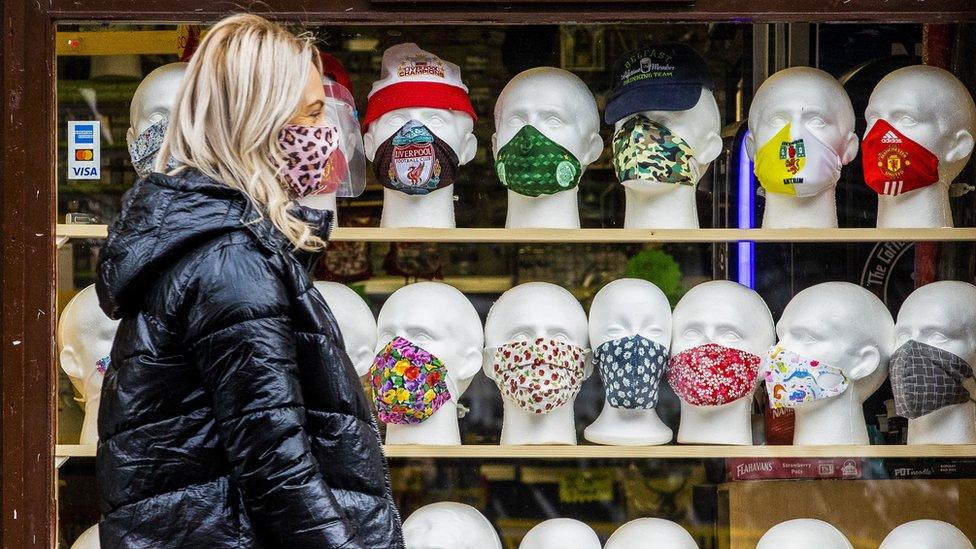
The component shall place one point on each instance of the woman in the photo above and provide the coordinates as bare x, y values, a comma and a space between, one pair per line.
230, 415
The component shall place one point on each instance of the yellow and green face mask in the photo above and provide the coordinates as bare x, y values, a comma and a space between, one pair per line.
531, 164
799, 166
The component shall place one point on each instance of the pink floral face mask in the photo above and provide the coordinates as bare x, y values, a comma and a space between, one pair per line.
309, 158
409, 384
539, 376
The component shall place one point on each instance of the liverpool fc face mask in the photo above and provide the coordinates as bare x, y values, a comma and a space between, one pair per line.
308, 152
408, 383
415, 161
926, 378
793, 379
538, 376
631, 369
894, 164
802, 166
712, 374
645, 150
143, 149
531, 164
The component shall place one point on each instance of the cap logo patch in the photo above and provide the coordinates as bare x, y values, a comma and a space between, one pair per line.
890, 137
421, 65
651, 63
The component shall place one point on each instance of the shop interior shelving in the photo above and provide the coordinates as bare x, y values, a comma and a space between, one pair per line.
566, 236
671, 451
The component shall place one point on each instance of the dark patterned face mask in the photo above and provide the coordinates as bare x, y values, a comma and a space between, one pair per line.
631, 369
531, 164
645, 150
926, 378
415, 161
143, 149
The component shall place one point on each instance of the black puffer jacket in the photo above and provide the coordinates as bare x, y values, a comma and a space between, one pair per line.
230, 416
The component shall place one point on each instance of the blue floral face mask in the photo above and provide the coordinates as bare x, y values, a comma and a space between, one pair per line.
631, 368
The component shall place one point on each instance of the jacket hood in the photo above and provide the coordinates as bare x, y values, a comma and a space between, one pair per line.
163, 217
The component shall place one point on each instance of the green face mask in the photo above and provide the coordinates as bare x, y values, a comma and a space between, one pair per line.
531, 164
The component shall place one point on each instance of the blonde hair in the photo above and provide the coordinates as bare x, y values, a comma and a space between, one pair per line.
241, 87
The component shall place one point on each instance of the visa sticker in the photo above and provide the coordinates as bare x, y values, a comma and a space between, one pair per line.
84, 150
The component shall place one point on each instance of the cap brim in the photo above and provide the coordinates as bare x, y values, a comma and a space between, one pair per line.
417, 94
650, 97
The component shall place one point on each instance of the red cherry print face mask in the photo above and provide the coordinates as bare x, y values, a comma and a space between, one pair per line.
894, 164
712, 375
539, 376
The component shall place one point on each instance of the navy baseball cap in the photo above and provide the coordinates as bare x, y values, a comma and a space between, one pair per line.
656, 77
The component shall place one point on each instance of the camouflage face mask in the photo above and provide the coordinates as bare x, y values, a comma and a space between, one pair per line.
646, 151
531, 164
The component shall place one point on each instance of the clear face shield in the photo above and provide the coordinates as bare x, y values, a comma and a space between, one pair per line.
345, 172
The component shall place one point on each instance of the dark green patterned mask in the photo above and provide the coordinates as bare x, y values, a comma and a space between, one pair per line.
531, 164
644, 150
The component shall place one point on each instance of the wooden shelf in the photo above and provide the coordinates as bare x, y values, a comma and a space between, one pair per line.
466, 284
569, 236
588, 451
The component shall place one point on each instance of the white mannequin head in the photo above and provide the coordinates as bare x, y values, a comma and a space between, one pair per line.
624, 308
453, 335
651, 533
88, 539
931, 106
699, 126
524, 313
355, 321
558, 104
728, 314
85, 336
812, 100
803, 534
941, 314
560, 533
844, 326
926, 534
449, 525
154, 98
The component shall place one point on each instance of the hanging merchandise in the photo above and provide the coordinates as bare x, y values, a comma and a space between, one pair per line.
925, 378
712, 374
143, 149
894, 164
797, 163
415, 161
414, 260
307, 150
531, 164
793, 379
408, 383
631, 369
538, 376
646, 151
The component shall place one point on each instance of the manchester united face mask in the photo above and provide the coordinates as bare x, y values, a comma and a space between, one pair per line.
925, 378
538, 376
531, 164
645, 150
894, 164
409, 384
712, 374
800, 165
415, 161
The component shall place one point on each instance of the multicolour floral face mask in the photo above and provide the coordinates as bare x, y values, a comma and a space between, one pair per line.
408, 383
712, 374
102, 364
793, 379
531, 164
539, 376
645, 150
631, 369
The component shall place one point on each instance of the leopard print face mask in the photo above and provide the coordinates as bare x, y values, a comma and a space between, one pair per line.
644, 151
308, 151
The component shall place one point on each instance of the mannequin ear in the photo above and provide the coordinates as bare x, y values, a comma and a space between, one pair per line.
594, 148
868, 360
961, 148
850, 149
361, 359
369, 145
588, 364
70, 363
468, 149
486, 363
751, 145
130, 136
473, 361
710, 149
494, 145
